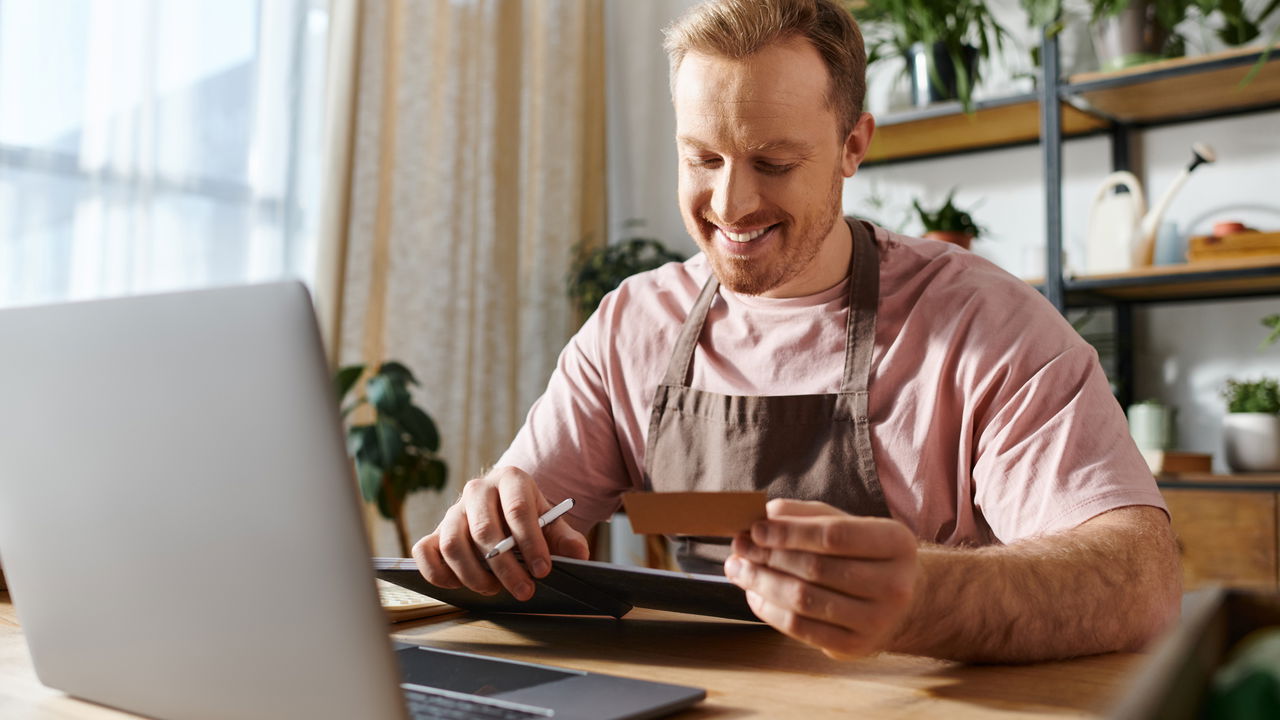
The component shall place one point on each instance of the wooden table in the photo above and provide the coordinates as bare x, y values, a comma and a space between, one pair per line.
749, 670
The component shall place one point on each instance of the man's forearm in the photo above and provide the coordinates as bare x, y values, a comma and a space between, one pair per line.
1111, 584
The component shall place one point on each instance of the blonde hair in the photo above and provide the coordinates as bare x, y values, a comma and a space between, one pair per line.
738, 28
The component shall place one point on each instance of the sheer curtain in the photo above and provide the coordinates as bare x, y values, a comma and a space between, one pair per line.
476, 162
151, 145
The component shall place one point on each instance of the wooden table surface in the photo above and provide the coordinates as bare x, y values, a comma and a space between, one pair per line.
749, 670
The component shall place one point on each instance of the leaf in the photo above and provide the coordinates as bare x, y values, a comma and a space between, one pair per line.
384, 507
596, 272
362, 444
390, 444
370, 480
387, 394
437, 473
345, 379
397, 372
420, 427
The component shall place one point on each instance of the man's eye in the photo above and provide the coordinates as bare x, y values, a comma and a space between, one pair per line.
773, 169
710, 162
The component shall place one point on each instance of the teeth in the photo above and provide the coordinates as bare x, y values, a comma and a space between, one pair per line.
744, 237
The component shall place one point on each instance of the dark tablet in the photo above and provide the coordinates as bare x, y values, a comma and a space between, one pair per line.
586, 587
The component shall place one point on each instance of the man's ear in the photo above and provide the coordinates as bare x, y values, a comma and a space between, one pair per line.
857, 144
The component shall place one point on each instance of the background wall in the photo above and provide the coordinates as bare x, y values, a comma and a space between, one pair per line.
1184, 351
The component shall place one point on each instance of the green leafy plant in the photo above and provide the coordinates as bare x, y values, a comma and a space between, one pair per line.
597, 271
891, 27
948, 218
1273, 322
1237, 27
396, 454
1253, 396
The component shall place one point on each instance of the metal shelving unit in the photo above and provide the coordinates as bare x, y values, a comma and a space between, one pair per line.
1169, 92
1118, 104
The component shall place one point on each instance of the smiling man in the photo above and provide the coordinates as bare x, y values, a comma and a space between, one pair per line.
950, 473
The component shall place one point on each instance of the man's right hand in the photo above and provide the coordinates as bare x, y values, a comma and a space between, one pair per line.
504, 502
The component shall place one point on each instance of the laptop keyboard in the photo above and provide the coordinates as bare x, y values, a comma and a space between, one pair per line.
432, 704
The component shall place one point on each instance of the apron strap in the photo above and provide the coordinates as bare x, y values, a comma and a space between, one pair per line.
681, 365
864, 296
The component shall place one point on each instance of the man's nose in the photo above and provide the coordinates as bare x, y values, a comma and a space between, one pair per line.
735, 195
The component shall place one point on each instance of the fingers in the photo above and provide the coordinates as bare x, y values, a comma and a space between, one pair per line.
506, 502
522, 503
849, 536
835, 641
842, 625
487, 526
426, 554
787, 591
866, 579
780, 507
459, 552
566, 541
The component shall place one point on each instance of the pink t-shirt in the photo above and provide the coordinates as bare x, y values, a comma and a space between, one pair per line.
991, 419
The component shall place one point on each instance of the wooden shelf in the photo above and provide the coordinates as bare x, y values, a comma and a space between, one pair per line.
1217, 279
1179, 89
945, 128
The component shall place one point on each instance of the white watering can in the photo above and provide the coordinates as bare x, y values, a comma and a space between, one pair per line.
1122, 234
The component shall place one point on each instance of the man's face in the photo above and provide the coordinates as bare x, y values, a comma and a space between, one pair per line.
762, 165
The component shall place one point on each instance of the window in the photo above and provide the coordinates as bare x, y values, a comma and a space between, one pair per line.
157, 144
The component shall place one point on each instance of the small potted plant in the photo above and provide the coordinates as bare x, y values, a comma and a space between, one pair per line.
597, 271
1251, 429
941, 43
949, 223
396, 450
1130, 32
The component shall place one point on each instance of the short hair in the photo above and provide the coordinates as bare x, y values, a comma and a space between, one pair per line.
738, 28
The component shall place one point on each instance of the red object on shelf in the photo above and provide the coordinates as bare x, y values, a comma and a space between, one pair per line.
1223, 229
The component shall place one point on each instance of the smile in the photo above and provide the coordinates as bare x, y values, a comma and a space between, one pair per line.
744, 237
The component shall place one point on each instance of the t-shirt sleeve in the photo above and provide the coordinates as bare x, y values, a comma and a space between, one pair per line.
568, 443
1056, 451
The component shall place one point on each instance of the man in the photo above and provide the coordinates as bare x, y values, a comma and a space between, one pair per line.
951, 475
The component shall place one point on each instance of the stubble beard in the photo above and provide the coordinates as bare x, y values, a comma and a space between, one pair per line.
756, 276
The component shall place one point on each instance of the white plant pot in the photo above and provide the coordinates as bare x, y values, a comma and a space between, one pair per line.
1252, 442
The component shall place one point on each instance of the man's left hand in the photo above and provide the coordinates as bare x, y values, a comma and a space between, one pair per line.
839, 582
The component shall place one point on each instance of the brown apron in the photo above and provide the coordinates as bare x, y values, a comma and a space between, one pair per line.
806, 447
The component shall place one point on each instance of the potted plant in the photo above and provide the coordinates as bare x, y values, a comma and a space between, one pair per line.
395, 452
1130, 32
1251, 429
595, 272
941, 43
949, 223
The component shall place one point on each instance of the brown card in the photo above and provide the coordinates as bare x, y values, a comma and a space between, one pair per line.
723, 514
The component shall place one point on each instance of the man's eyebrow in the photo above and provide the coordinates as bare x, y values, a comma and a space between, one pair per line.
764, 147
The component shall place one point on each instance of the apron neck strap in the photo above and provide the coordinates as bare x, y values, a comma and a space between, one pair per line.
681, 365
864, 297
860, 327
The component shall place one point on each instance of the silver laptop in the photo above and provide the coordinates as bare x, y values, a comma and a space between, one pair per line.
183, 539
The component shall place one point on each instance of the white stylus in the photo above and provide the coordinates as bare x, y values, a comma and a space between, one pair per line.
547, 518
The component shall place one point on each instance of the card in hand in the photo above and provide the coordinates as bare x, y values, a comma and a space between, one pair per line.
715, 514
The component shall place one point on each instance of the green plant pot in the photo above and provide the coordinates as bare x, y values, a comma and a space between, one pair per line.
927, 89
1132, 37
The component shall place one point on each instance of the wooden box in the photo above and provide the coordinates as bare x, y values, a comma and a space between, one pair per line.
1173, 683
